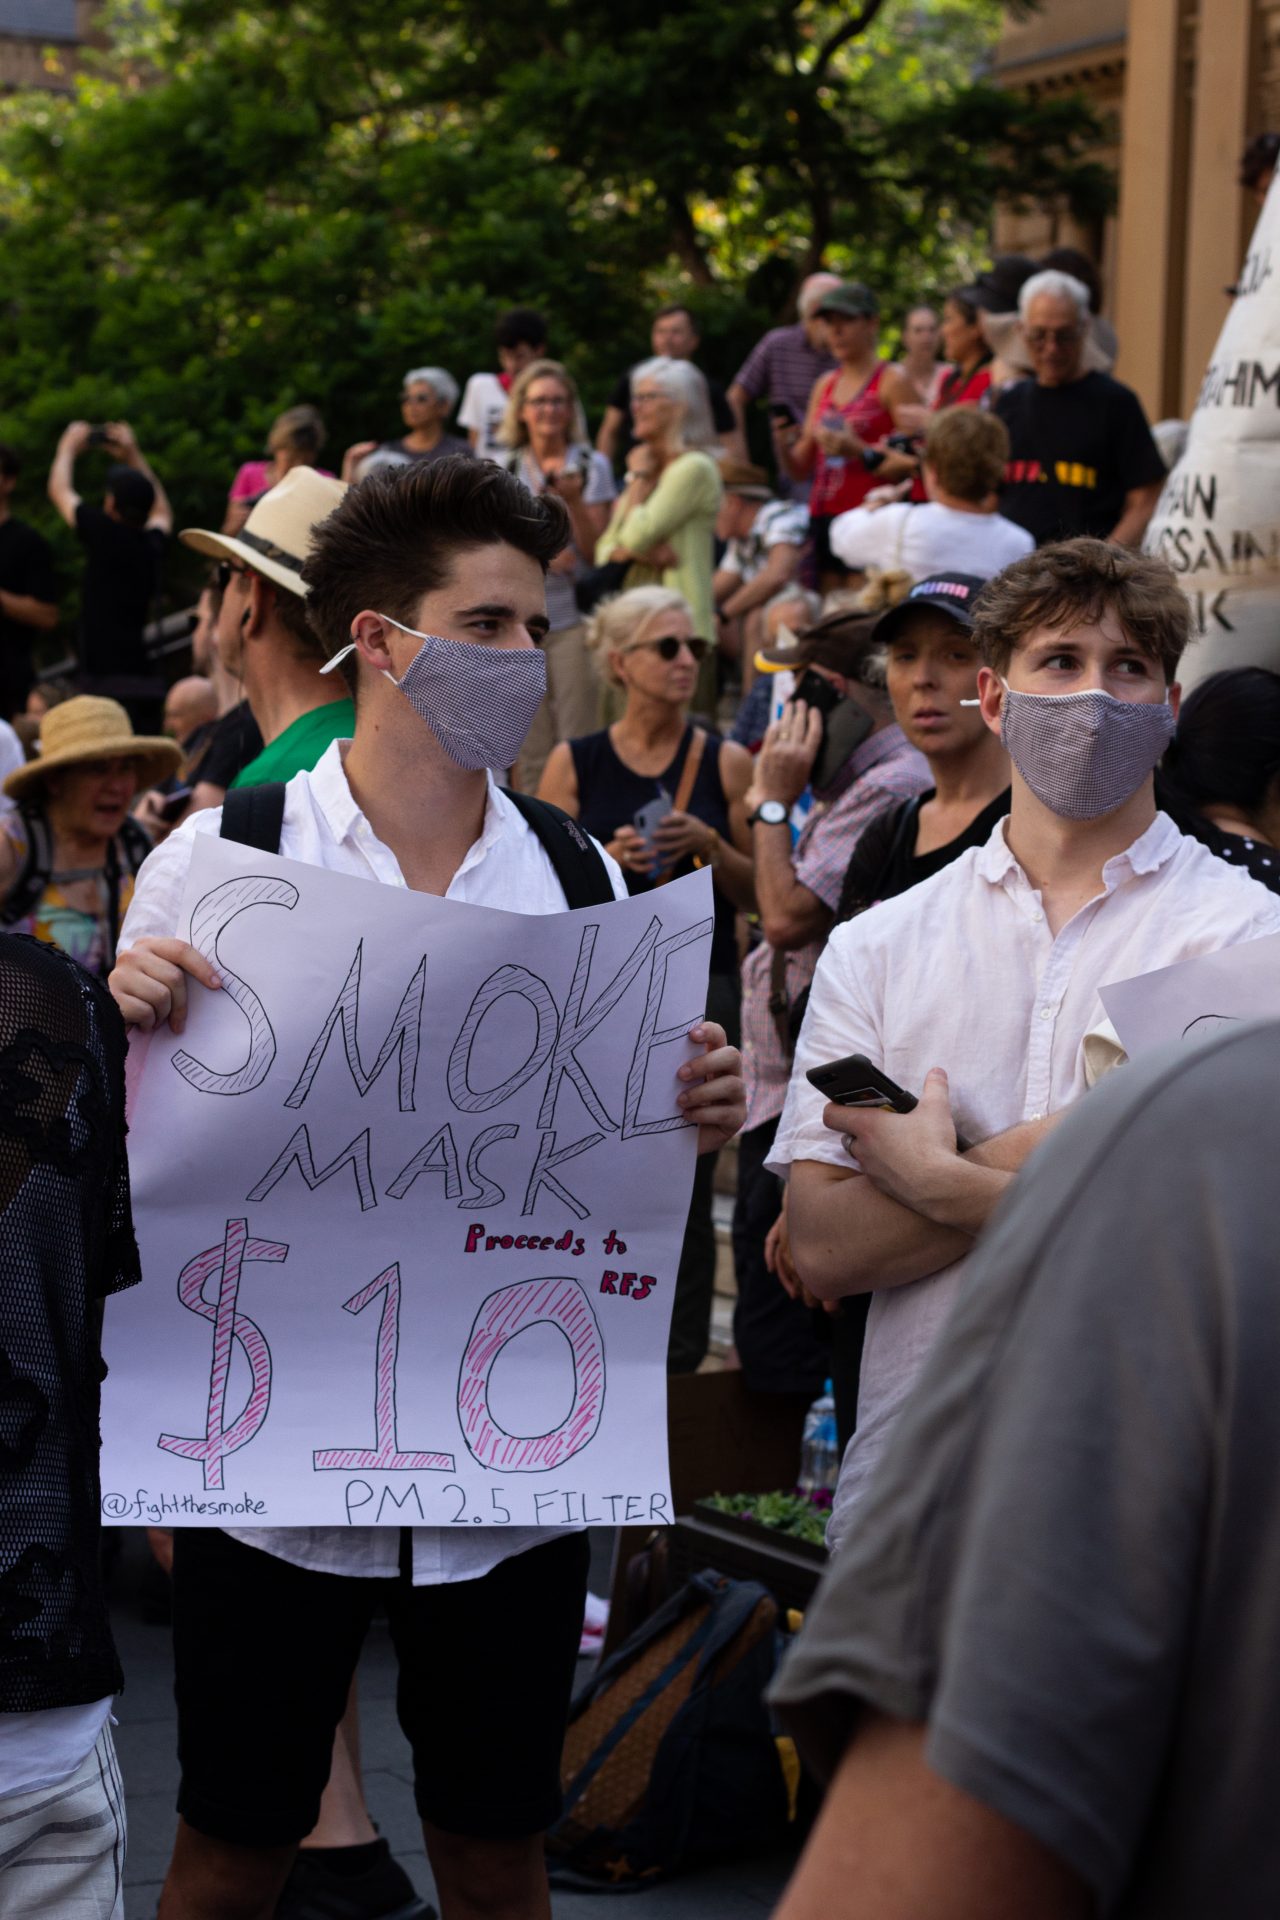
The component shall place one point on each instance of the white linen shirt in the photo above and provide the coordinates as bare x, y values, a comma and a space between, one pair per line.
962, 972
506, 867
928, 538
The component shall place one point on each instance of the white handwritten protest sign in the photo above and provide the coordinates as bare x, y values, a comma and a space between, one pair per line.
1218, 519
410, 1193
1195, 999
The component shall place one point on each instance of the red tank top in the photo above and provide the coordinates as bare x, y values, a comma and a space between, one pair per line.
835, 491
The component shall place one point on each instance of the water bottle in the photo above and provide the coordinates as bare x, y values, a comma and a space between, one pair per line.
836, 462
819, 1448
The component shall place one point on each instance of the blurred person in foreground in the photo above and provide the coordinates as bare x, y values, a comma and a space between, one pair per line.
28, 596
977, 990
66, 1242
544, 450
663, 520
69, 850
1040, 1679
651, 754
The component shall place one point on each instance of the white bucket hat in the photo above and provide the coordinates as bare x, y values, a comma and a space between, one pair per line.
276, 538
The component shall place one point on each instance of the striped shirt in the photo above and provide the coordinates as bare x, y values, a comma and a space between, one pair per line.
783, 367
885, 768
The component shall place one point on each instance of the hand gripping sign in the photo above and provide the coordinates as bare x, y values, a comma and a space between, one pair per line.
410, 1193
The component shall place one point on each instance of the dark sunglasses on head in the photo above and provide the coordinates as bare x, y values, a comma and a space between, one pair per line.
668, 648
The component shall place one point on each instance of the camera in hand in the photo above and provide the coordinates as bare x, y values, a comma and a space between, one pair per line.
99, 436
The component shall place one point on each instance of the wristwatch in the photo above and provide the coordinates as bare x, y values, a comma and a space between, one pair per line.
772, 812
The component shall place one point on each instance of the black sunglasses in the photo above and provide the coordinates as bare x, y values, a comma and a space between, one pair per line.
668, 648
226, 569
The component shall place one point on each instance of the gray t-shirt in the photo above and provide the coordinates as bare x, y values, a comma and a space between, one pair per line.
1068, 1563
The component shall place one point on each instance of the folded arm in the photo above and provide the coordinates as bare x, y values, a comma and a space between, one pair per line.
916, 1205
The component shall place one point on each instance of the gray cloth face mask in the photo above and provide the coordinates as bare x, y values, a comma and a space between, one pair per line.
1083, 754
479, 701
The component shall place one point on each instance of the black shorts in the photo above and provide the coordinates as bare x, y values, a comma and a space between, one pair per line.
265, 1652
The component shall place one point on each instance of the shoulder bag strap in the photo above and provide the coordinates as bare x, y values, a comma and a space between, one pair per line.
688, 774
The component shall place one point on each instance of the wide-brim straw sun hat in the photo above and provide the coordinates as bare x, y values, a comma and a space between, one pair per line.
89, 728
276, 538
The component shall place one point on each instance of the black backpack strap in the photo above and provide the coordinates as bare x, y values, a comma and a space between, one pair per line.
575, 857
254, 815
34, 873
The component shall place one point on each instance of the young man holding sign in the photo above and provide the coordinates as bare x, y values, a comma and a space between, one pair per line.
428, 584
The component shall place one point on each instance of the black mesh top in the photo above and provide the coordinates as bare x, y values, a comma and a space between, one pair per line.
66, 1240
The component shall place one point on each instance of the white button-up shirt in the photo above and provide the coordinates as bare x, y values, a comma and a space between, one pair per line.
506, 867
962, 972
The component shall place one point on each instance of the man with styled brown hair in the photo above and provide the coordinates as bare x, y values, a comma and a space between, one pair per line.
978, 989
428, 584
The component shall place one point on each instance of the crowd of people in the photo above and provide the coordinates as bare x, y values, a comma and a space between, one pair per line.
909, 693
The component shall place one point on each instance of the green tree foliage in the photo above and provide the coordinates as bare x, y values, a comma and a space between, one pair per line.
239, 208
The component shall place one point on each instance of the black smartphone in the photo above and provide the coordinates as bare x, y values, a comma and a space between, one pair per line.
174, 805
782, 414
99, 436
816, 691
856, 1082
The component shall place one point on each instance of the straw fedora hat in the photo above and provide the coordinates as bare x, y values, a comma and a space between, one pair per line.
276, 538
87, 728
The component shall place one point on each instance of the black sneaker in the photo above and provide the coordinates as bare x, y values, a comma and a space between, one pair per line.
383, 1891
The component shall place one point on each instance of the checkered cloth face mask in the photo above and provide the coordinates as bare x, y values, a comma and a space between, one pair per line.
1083, 754
478, 701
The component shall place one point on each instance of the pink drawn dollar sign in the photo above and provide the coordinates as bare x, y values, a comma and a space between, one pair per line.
229, 1326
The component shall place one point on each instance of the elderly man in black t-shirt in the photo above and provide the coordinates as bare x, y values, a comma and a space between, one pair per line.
1082, 459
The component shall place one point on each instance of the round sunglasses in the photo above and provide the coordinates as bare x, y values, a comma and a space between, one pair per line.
668, 648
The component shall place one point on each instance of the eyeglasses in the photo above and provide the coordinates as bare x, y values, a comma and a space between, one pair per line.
225, 570
555, 401
417, 399
643, 399
668, 648
1057, 336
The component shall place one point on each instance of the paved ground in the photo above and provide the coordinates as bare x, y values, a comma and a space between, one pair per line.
146, 1741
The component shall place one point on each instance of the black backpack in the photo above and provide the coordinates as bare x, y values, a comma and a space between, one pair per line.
254, 816
670, 1758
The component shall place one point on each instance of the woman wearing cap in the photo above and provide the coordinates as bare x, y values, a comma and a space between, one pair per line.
428, 396
665, 516
850, 412
666, 797
543, 429
69, 851
295, 439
